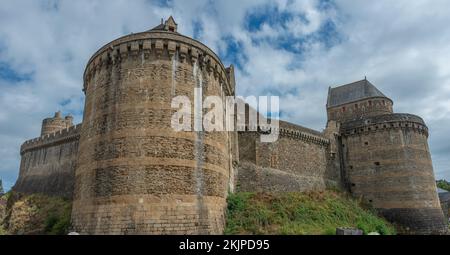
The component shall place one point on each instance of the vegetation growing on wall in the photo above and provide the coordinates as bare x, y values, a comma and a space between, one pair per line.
36, 214
314, 213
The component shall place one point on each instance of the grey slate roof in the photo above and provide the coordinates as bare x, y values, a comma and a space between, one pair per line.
352, 92
158, 27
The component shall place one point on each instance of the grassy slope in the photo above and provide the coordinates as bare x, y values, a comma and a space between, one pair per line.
299, 214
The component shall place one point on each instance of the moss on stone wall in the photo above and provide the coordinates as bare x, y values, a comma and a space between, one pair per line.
315, 213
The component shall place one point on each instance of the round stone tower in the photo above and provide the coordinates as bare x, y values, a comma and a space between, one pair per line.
386, 159
52, 125
135, 174
388, 163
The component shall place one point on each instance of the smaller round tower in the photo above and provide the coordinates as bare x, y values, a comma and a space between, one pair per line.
386, 159
52, 125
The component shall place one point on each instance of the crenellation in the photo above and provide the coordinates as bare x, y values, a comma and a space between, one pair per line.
61, 136
160, 48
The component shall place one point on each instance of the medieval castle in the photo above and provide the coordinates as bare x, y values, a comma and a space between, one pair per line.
128, 172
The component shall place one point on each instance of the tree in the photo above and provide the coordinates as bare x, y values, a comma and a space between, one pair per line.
443, 184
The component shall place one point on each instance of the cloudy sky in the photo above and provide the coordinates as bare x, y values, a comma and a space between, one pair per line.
293, 49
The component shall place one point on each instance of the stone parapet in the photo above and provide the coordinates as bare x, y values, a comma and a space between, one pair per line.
383, 122
59, 137
303, 136
296, 132
157, 44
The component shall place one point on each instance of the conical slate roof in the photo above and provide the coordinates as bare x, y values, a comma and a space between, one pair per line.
158, 27
352, 92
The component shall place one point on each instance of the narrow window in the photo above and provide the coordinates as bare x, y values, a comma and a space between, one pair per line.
377, 163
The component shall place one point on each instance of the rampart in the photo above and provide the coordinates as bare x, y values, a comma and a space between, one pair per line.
301, 160
48, 163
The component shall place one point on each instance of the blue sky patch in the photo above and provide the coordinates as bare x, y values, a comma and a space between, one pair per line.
9, 74
268, 14
234, 53
198, 29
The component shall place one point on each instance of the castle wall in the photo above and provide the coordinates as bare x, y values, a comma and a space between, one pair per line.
48, 164
388, 163
299, 161
136, 175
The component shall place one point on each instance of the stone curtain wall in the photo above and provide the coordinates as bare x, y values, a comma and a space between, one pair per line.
136, 175
48, 164
298, 161
388, 163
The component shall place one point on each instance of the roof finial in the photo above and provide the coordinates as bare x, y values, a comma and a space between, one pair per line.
162, 21
365, 78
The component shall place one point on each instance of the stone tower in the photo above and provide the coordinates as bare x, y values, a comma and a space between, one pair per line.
386, 157
51, 125
135, 174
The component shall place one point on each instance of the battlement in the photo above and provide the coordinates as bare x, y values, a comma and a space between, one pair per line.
293, 131
384, 122
60, 136
303, 136
301, 133
159, 44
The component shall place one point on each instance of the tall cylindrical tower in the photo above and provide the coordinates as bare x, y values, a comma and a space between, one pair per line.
135, 174
388, 163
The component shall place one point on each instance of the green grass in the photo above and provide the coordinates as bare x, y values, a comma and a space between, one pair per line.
318, 213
